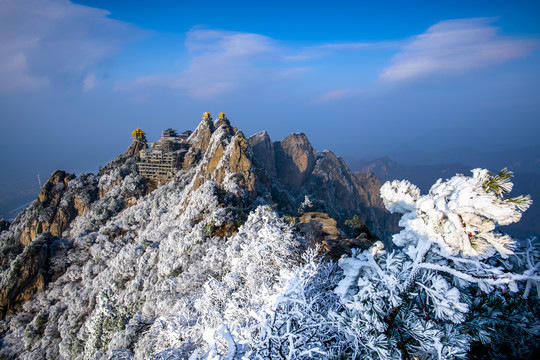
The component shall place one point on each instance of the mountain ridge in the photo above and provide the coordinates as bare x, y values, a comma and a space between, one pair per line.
245, 173
119, 266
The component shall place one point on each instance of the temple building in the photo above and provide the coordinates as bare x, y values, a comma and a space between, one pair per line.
162, 161
164, 158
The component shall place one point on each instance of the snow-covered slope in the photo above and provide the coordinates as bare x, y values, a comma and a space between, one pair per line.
209, 266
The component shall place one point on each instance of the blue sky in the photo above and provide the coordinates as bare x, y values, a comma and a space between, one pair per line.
361, 78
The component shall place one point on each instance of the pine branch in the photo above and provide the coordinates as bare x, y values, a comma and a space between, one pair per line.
423, 248
493, 281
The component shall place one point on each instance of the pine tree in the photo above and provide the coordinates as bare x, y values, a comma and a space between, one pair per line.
437, 293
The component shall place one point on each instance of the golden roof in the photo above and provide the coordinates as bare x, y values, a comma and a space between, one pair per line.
206, 115
222, 114
138, 133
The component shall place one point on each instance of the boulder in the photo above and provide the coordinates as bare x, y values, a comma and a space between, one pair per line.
322, 230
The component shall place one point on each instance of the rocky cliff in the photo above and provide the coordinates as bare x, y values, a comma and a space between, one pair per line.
42, 261
263, 149
66, 207
220, 153
295, 160
292, 170
57, 205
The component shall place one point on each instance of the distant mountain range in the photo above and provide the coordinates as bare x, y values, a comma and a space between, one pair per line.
522, 160
526, 178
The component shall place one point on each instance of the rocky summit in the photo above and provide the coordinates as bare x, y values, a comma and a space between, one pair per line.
119, 239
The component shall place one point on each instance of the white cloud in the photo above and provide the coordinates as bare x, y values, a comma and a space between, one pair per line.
329, 49
47, 42
338, 94
455, 46
221, 61
317, 51
90, 82
14, 74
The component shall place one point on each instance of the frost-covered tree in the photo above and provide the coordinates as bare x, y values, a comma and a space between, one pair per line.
292, 323
432, 296
452, 282
155, 281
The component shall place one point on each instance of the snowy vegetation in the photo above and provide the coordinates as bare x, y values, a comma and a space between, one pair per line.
452, 283
156, 282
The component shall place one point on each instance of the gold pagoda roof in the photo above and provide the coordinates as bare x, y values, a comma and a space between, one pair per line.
138, 134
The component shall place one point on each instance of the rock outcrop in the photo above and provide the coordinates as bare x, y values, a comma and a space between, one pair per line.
332, 182
35, 237
226, 158
296, 171
295, 160
382, 220
31, 271
198, 143
136, 146
58, 204
322, 230
200, 138
263, 149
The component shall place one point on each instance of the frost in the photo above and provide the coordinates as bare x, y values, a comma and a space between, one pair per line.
421, 294
153, 281
459, 214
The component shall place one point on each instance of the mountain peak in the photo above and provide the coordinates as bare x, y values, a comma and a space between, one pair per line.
122, 242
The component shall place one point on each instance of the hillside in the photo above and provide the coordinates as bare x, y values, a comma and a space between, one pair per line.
232, 257
94, 240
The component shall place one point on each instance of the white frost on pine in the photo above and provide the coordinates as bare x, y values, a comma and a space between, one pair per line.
458, 215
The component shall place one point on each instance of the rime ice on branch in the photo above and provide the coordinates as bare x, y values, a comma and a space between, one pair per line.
459, 215
415, 301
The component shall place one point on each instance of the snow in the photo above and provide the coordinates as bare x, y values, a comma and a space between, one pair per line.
153, 282
458, 215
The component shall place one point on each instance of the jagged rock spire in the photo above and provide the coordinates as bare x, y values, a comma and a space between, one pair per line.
295, 160
139, 143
